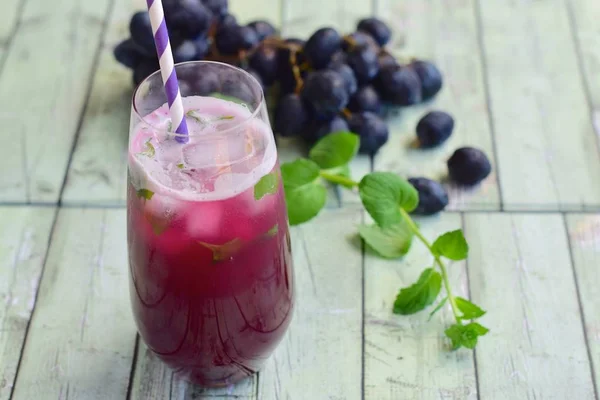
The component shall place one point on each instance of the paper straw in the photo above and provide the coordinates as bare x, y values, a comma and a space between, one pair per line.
167, 68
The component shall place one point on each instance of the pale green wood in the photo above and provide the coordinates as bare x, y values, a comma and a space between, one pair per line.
8, 20
547, 151
154, 380
520, 272
445, 33
81, 339
408, 357
584, 232
44, 83
246, 11
24, 235
320, 356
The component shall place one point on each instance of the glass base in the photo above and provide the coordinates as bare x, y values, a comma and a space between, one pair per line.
201, 378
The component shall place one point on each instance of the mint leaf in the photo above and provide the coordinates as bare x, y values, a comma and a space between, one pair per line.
180, 166
305, 195
469, 310
273, 231
150, 151
227, 98
420, 294
452, 245
222, 252
437, 308
225, 117
335, 150
465, 335
391, 242
384, 193
266, 185
145, 194
158, 224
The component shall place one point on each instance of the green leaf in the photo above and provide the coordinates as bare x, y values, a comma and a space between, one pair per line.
180, 166
437, 308
273, 231
465, 335
225, 117
452, 245
419, 295
150, 151
222, 252
391, 242
158, 224
228, 98
145, 194
305, 195
335, 150
384, 193
469, 310
266, 185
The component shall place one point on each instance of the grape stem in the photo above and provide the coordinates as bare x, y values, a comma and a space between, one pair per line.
350, 183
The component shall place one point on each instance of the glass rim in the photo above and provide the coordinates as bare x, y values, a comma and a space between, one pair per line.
234, 127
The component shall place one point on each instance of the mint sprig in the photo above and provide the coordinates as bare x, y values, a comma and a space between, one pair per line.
388, 199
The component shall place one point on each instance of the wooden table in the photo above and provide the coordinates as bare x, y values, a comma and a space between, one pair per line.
522, 82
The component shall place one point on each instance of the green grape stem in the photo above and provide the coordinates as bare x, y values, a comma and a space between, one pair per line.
343, 180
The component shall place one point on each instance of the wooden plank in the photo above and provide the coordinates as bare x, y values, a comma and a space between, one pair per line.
520, 271
24, 237
320, 356
584, 233
444, 32
81, 339
407, 357
246, 11
45, 86
533, 73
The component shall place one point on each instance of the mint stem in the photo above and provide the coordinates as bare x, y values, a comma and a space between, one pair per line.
415, 229
338, 179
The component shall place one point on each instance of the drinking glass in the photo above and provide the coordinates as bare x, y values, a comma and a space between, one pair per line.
211, 281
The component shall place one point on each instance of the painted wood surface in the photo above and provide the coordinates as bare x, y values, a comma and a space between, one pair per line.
81, 339
24, 236
447, 34
584, 234
8, 22
520, 271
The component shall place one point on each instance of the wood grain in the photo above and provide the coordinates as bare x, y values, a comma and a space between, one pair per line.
584, 234
320, 356
24, 235
408, 357
520, 272
81, 339
44, 83
446, 33
548, 155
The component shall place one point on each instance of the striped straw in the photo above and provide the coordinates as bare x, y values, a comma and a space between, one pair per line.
167, 68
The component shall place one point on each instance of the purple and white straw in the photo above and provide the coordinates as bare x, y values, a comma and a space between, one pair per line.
167, 68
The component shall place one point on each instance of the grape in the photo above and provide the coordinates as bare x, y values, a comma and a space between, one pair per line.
348, 75
431, 77
468, 166
291, 116
263, 29
372, 130
228, 20
326, 92
399, 85
337, 59
366, 99
204, 83
217, 7
432, 196
434, 129
264, 62
185, 52
144, 69
141, 32
363, 62
190, 17
321, 129
377, 29
202, 47
285, 72
385, 59
231, 39
128, 53
321, 46
360, 39
256, 76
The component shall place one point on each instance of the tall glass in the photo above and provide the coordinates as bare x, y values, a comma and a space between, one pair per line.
211, 279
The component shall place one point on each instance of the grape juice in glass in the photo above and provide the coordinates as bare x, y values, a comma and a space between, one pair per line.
211, 279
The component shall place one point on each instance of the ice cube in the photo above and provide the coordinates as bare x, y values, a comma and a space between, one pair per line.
203, 221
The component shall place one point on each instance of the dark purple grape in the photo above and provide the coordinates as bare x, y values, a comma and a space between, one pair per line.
291, 116
190, 17
128, 53
230, 40
263, 29
323, 44
140, 29
366, 99
431, 78
377, 29
372, 130
285, 68
399, 85
337, 59
358, 40
434, 128
432, 196
363, 62
217, 7
385, 59
185, 52
468, 166
346, 72
228, 20
144, 69
264, 62
202, 47
326, 92
256, 76
320, 129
